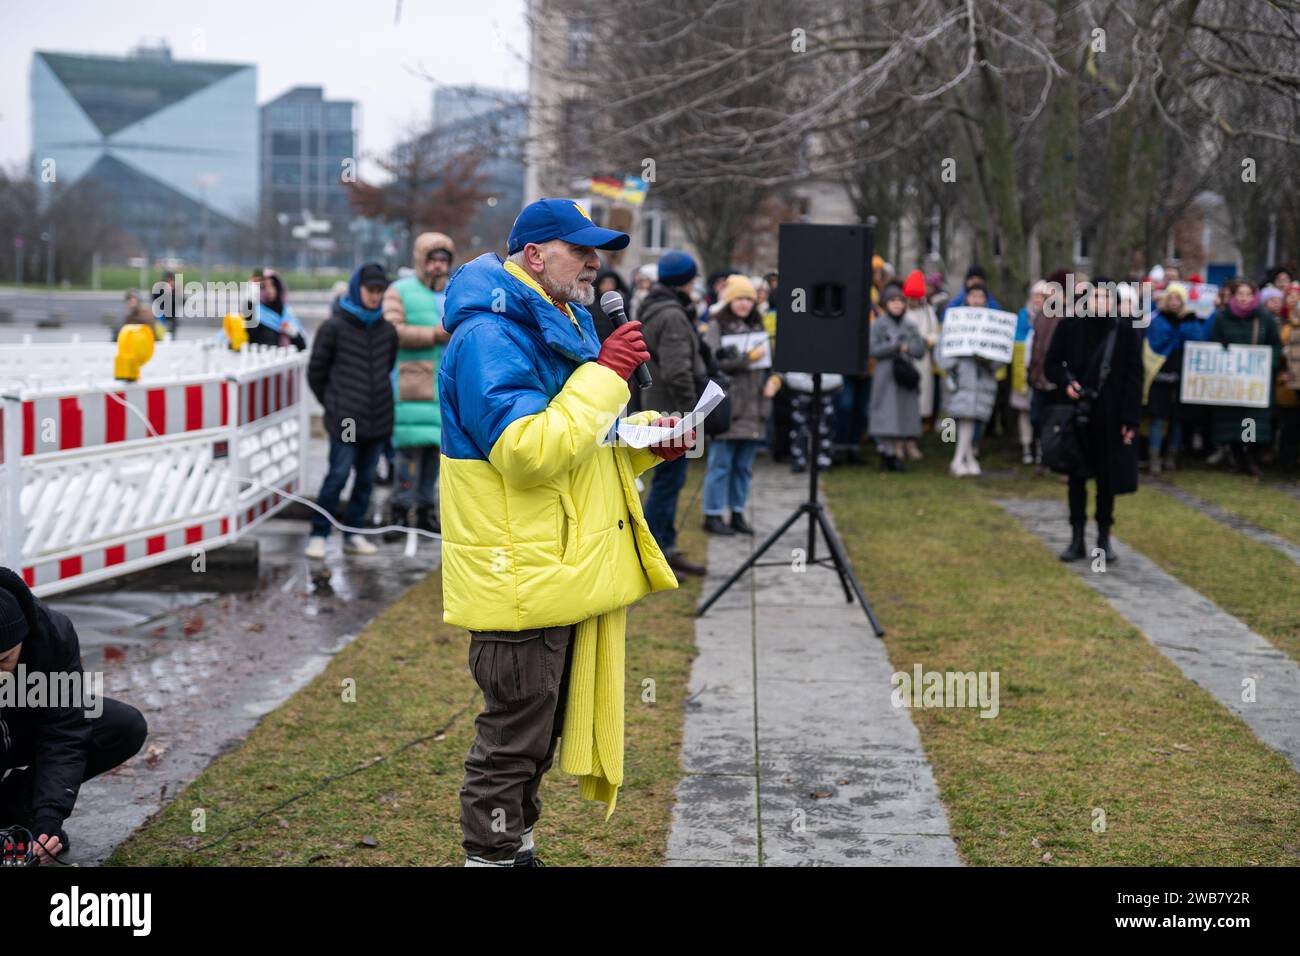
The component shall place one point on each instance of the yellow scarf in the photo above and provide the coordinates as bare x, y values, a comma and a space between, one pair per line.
592, 745
1152, 363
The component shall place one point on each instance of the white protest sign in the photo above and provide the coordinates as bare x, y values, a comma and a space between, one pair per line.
1237, 375
988, 333
746, 342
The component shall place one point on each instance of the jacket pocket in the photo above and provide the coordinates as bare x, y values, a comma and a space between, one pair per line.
415, 382
566, 517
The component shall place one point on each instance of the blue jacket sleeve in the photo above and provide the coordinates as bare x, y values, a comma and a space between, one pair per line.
1161, 336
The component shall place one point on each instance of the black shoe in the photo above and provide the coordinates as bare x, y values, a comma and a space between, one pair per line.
1075, 551
1103, 542
714, 524
1249, 464
678, 562
399, 517
528, 859
798, 467
739, 524
426, 519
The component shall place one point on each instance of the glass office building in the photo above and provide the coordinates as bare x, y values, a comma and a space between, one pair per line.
309, 144
171, 144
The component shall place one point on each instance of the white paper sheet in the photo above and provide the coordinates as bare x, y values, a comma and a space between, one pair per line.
643, 436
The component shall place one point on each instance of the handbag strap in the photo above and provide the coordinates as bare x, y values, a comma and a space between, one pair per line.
1106, 354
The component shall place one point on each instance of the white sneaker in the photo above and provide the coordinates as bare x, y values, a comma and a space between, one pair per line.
957, 468
315, 548
357, 544
973, 466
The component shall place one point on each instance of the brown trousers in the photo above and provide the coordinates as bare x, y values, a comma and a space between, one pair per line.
524, 676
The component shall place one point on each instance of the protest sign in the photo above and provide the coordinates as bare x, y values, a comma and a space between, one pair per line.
753, 344
1237, 375
988, 333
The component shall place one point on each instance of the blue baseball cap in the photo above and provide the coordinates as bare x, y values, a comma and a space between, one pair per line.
564, 219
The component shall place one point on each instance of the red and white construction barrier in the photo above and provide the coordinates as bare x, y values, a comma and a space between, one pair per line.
99, 477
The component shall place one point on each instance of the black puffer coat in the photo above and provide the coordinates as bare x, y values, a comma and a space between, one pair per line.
61, 735
351, 374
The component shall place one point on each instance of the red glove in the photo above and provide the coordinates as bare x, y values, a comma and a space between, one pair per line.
624, 350
677, 447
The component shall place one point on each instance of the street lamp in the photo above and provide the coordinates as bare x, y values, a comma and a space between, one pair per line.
204, 181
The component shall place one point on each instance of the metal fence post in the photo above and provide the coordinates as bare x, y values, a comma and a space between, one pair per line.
231, 385
13, 531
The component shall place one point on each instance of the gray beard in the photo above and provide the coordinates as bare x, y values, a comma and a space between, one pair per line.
573, 292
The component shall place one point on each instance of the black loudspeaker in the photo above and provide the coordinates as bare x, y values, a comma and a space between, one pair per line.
824, 300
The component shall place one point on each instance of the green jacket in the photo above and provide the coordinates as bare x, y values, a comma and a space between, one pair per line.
416, 311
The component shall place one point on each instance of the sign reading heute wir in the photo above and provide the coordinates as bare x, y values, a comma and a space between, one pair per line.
1237, 375
989, 333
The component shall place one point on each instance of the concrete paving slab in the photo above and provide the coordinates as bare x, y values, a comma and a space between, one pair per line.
1212, 648
715, 818
791, 710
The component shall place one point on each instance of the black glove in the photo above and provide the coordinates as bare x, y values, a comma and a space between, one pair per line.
50, 827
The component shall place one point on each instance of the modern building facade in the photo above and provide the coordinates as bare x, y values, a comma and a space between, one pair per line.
495, 121
309, 152
171, 144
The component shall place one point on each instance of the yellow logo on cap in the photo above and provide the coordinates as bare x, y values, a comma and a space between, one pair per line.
584, 213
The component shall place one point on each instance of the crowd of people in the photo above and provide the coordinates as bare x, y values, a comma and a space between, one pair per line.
378, 379
909, 386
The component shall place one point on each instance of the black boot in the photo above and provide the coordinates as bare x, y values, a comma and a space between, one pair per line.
1248, 463
399, 517
426, 519
714, 524
739, 524
1075, 551
1103, 542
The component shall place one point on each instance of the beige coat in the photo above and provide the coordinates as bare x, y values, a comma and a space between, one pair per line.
927, 323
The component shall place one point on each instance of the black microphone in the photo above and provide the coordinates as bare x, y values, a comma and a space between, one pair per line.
611, 303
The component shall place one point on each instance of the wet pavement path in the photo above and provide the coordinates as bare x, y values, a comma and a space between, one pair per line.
1213, 649
793, 752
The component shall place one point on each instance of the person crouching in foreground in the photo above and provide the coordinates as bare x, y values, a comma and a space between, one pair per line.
544, 541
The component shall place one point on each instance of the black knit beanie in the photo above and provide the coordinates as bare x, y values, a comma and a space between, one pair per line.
13, 623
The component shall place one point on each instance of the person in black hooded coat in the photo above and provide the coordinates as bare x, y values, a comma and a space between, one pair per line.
58, 748
1073, 364
607, 280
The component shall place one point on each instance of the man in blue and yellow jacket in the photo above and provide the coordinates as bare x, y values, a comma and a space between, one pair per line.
544, 542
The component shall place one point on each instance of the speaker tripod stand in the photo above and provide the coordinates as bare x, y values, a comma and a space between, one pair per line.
816, 513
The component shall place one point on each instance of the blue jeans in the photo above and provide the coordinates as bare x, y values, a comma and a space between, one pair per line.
1157, 438
661, 502
417, 478
344, 457
730, 472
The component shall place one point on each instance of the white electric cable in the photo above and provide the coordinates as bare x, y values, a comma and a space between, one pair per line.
287, 494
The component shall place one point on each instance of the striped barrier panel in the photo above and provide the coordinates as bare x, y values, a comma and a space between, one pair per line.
99, 478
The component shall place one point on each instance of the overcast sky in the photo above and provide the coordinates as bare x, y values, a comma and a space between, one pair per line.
356, 50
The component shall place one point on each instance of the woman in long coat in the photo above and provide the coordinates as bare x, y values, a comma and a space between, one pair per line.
895, 410
1243, 322
970, 389
921, 314
1073, 364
